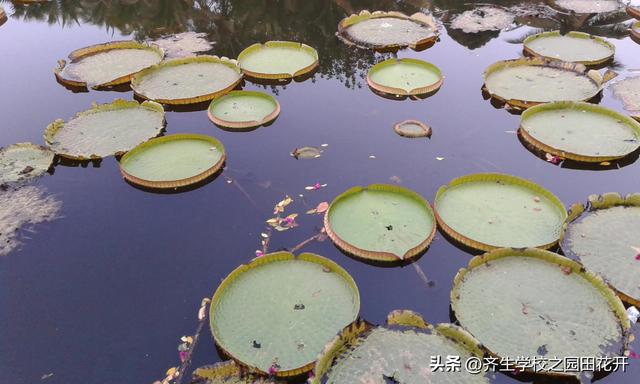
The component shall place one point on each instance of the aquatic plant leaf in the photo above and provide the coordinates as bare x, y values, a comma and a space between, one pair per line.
3, 16
23, 162
576, 47
243, 109
229, 372
280, 310
634, 11
380, 222
412, 129
488, 211
183, 44
173, 161
282, 204
306, 153
321, 208
590, 6
105, 129
628, 91
635, 32
403, 77
278, 60
483, 19
537, 304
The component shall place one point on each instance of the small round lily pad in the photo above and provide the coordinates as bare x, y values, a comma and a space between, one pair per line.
483, 19
589, 6
274, 314
23, 162
173, 161
187, 80
486, 211
405, 77
388, 30
108, 64
604, 236
580, 131
105, 129
634, 12
278, 60
383, 223
412, 129
243, 109
531, 303
575, 47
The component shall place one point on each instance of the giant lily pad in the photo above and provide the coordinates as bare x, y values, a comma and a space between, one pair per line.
628, 91
580, 131
276, 313
105, 129
483, 19
243, 109
380, 222
23, 162
589, 6
401, 352
187, 80
604, 236
538, 305
388, 30
487, 211
173, 161
634, 12
183, 44
405, 77
278, 60
575, 47
108, 64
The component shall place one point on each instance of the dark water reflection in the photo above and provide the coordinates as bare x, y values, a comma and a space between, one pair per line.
103, 294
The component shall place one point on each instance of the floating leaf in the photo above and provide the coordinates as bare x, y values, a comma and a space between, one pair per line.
628, 91
281, 205
183, 44
634, 11
23, 162
278, 60
589, 6
315, 186
228, 372
483, 19
404, 77
3, 16
306, 153
321, 208
412, 129
575, 47
635, 32
243, 109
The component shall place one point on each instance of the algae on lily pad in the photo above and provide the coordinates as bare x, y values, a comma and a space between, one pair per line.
580, 131
108, 64
412, 129
188, 80
278, 60
589, 6
405, 77
384, 223
23, 162
388, 30
243, 109
628, 91
173, 161
183, 44
483, 19
274, 314
531, 303
487, 211
575, 47
604, 236
105, 129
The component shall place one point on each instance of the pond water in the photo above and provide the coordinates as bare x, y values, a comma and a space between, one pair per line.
104, 293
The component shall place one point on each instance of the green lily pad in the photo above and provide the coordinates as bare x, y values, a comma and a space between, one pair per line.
278, 60
105, 129
536, 304
278, 311
23, 162
604, 236
590, 6
404, 77
243, 109
229, 372
488, 211
380, 222
107, 64
628, 91
187, 80
575, 47
483, 19
173, 161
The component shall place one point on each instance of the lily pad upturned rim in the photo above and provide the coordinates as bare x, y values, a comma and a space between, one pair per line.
81, 53
635, 31
431, 88
426, 130
172, 184
633, 12
243, 124
3, 16
275, 44
378, 256
596, 202
417, 17
538, 145
270, 258
231, 63
35, 147
573, 34
491, 177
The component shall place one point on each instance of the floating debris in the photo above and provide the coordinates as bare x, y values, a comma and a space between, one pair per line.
405, 77
243, 109
23, 162
575, 47
412, 129
315, 187
278, 60
628, 91
307, 153
183, 44
483, 19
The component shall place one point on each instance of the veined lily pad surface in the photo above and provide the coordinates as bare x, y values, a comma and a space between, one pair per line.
380, 223
23, 162
278, 60
107, 64
279, 310
173, 161
243, 109
483, 19
401, 352
187, 80
488, 211
580, 131
403, 77
388, 30
576, 47
105, 129
537, 304
590, 6
604, 237
183, 44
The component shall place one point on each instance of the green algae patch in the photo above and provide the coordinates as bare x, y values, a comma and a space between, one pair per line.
278, 60
405, 77
243, 109
23, 162
575, 47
